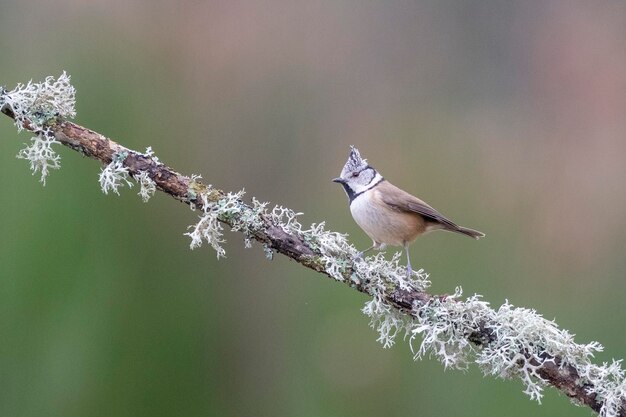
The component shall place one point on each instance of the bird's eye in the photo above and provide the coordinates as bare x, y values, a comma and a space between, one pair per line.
355, 174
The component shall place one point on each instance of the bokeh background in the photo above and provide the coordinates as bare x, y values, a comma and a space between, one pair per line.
506, 116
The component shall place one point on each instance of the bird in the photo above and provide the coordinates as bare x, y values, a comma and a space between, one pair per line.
386, 213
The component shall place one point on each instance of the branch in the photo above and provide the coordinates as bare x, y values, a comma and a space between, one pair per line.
507, 342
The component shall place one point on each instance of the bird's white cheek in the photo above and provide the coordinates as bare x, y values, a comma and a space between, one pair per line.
357, 188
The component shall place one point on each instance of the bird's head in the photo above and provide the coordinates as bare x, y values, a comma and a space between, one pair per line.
357, 175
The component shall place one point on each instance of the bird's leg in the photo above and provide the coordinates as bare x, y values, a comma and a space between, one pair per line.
374, 246
409, 271
360, 254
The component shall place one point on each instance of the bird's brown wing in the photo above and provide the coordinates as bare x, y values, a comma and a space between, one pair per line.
400, 200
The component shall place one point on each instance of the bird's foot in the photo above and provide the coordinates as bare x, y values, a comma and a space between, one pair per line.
409, 271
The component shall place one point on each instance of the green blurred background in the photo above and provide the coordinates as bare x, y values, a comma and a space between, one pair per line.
506, 116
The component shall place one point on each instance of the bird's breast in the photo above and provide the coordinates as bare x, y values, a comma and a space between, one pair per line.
383, 224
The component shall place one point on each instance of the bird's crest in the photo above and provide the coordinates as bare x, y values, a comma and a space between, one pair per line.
354, 162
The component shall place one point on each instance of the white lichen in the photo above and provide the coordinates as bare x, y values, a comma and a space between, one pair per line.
248, 220
36, 104
441, 323
115, 175
518, 342
242, 218
388, 322
149, 153
40, 155
286, 219
269, 253
147, 187
336, 252
379, 274
609, 386
523, 340
376, 274
209, 228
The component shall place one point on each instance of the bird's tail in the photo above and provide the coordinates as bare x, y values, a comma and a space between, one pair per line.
469, 232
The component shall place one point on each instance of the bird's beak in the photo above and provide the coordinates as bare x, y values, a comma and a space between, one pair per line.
339, 180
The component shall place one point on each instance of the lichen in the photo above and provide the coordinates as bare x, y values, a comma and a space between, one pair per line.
388, 321
147, 187
229, 209
37, 106
115, 175
520, 343
149, 153
208, 229
377, 275
609, 385
40, 155
517, 342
